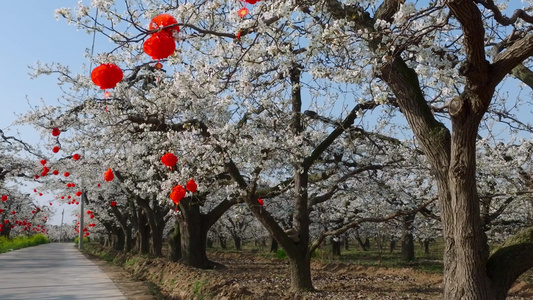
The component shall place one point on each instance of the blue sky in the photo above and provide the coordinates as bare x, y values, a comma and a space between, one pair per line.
30, 33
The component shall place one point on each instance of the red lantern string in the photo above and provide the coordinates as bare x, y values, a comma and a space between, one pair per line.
108, 175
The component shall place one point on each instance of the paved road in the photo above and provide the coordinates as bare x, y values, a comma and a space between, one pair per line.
53, 271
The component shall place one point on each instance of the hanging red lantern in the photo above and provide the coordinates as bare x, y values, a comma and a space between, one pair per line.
108, 175
36, 176
13, 212
56, 131
243, 12
67, 174
160, 45
91, 216
113, 203
78, 193
169, 159
4, 198
55, 149
106, 76
89, 212
43, 162
260, 201
191, 186
1, 211
55, 172
164, 20
178, 192
251, 1
76, 156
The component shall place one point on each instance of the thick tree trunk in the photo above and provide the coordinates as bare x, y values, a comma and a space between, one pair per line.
193, 231
120, 239
407, 241
143, 234
174, 243
300, 271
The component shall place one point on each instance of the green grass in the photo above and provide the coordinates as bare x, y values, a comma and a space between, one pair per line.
21, 242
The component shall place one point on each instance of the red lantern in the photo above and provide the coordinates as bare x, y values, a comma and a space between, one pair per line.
55, 131
113, 203
36, 176
1, 211
55, 149
164, 20
169, 159
108, 175
55, 172
92, 216
89, 212
13, 212
67, 174
178, 192
242, 12
252, 1
4, 198
76, 156
191, 186
43, 162
260, 201
106, 76
160, 45
78, 193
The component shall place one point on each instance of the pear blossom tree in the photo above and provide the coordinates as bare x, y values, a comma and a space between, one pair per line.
259, 101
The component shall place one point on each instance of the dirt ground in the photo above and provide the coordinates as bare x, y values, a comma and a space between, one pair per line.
252, 276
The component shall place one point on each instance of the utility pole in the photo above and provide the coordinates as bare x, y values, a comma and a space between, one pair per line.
61, 226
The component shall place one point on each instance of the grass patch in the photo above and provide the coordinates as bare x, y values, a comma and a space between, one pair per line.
21, 242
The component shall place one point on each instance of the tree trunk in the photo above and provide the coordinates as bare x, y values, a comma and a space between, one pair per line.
120, 239
273, 245
143, 234
300, 270
407, 241
193, 231
346, 241
237, 242
392, 245
425, 243
335, 246
223, 242
175, 243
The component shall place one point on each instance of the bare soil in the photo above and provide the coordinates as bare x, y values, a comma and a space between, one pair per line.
254, 276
